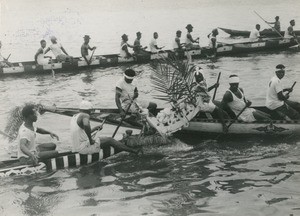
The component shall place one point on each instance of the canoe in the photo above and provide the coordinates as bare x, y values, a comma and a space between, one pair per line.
203, 123
62, 161
265, 32
103, 61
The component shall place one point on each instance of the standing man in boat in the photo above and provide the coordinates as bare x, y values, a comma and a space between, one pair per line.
153, 44
289, 33
206, 104
254, 34
28, 151
138, 48
124, 53
213, 40
85, 49
39, 57
81, 134
58, 51
277, 97
276, 24
3, 61
235, 100
177, 46
189, 41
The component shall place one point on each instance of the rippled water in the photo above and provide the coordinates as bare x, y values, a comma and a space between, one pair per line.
192, 176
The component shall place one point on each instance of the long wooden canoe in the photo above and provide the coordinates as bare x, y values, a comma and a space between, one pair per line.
265, 32
62, 161
202, 123
103, 61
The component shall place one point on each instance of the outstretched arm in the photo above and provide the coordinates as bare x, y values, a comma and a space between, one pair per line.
64, 51
43, 131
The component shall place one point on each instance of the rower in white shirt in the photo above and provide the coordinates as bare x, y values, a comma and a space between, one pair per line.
255, 35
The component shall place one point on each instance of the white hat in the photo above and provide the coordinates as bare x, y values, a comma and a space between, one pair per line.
85, 105
234, 79
53, 38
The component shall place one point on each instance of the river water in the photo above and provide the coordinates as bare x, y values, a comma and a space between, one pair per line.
193, 176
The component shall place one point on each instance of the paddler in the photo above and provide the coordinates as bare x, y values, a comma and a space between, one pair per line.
137, 47
28, 151
177, 46
81, 134
85, 49
189, 41
39, 57
235, 100
278, 97
276, 24
3, 61
124, 53
58, 51
213, 40
206, 104
153, 44
289, 33
254, 34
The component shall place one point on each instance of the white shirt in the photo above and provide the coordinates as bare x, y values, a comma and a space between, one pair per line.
123, 54
56, 49
254, 35
272, 101
29, 135
175, 45
127, 92
287, 32
152, 45
79, 138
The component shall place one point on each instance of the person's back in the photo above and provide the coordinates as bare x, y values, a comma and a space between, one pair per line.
272, 100
79, 138
56, 49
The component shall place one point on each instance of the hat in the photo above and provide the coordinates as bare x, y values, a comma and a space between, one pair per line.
85, 105
138, 33
53, 38
124, 35
129, 74
189, 26
234, 79
280, 67
87, 36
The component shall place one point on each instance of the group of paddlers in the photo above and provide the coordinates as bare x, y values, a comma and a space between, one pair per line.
234, 105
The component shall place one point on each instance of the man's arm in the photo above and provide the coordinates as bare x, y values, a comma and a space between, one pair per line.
40, 51
43, 131
189, 36
47, 50
118, 100
64, 51
126, 50
216, 85
87, 127
282, 97
83, 55
227, 98
178, 43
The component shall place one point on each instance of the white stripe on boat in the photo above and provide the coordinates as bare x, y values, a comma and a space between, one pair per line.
89, 159
77, 157
66, 161
53, 164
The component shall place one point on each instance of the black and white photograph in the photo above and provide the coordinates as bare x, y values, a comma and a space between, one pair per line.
149, 107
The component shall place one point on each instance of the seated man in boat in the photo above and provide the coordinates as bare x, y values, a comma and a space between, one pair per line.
177, 46
289, 33
137, 47
39, 57
4, 61
153, 44
124, 53
207, 105
189, 41
213, 40
81, 134
254, 34
58, 51
85, 49
276, 24
277, 97
28, 151
235, 100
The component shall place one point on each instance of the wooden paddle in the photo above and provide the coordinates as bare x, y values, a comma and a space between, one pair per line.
127, 110
92, 56
7, 135
291, 89
215, 92
96, 131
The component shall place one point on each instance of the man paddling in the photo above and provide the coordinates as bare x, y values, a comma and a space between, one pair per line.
207, 105
177, 46
124, 53
85, 49
278, 97
153, 44
28, 151
235, 100
254, 34
213, 40
276, 24
39, 57
81, 134
138, 48
189, 41
3, 61
59, 52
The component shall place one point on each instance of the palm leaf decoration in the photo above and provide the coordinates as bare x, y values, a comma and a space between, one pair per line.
173, 79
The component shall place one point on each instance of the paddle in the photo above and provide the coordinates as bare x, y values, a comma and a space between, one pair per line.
92, 56
238, 115
7, 57
269, 24
5, 134
96, 131
127, 110
291, 89
215, 92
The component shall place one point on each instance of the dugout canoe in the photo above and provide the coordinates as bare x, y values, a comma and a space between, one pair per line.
266, 32
103, 61
62, 161
202, 123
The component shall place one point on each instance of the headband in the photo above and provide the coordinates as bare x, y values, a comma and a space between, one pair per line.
234, 79
128, 77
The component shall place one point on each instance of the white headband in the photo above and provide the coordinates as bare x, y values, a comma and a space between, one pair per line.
198, 71
128, 77
234, 79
